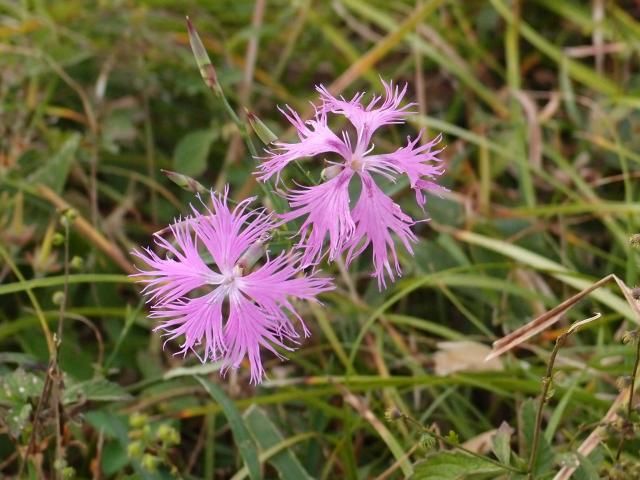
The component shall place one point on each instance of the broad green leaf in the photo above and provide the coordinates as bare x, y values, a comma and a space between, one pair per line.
501, 443
16, 388
266, 435
114, 458
454, 466
19, 385
113, 426
190, 155
96, 389
56, 169
17, 418
587, 469
246, 445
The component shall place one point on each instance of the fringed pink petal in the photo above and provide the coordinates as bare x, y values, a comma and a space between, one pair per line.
380, 111
315, 138
376, 217
326, 207
419, 162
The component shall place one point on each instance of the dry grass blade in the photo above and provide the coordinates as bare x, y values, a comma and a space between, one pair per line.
544, 321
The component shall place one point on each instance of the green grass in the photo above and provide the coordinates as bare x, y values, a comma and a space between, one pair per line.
542, 169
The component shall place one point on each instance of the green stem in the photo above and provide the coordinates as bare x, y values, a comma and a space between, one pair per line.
244, 133
632, 386
546, 383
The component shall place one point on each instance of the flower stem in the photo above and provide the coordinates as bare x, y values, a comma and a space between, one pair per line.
546, 384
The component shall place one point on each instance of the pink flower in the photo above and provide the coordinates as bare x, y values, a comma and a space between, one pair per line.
327, 206
227, 309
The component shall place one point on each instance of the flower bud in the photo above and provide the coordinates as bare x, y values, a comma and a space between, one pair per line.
138, 420
185, 182
202, 58
57, 239
260, 128
68, 217
168, 435
68, 473
58, 298
150, 462
135, 449
76, 263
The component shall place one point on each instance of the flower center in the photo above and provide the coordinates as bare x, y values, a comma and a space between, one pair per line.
231, 277
356, 163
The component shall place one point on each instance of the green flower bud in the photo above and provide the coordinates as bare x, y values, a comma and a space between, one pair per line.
185, 182
150, 462
58, 298
57, 239
135, 449
138, 420
68, 473
202, 58
68, 217
76, 263
168, 435
260, 128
